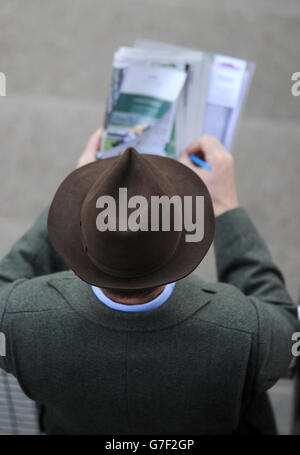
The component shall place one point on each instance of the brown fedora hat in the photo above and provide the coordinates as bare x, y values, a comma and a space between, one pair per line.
124, 258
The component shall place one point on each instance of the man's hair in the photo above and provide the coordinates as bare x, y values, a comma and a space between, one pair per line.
127, 293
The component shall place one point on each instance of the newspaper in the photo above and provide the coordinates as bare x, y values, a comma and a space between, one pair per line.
163, 97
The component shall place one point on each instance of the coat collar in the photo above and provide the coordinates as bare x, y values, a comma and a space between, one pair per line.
187, 298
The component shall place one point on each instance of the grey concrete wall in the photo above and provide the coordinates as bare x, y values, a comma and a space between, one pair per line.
57, 58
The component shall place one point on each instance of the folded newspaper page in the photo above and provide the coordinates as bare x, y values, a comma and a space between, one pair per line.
163, 97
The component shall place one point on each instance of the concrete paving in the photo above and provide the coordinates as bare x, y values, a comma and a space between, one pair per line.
57, 58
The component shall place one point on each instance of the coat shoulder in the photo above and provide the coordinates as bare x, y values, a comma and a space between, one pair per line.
228, 307
38, 294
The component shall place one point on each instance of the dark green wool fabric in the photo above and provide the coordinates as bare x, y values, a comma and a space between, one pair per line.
197, 364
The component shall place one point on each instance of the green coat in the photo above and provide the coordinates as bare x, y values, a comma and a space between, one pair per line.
199, 364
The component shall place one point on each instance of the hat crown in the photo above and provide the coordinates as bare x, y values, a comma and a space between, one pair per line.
118, 249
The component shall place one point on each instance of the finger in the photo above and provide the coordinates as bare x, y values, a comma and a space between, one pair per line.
186, 159
207, 146
93, 144
200, 171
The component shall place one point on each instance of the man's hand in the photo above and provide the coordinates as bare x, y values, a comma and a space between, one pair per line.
91, 149
220, 179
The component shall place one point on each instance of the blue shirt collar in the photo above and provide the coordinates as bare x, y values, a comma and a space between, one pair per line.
157, 302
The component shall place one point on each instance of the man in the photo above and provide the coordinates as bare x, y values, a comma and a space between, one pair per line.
130, 341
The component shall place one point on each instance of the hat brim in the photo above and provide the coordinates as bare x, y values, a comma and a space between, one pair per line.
65, 231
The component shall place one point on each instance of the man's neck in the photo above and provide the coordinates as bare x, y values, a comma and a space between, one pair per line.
133, 300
